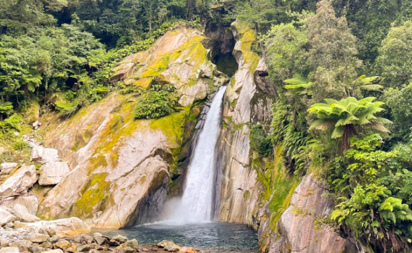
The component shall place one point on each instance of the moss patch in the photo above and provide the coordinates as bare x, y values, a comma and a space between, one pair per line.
95, 196
248, 39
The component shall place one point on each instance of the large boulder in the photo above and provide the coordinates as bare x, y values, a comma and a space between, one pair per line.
6, 217
301, 228
19, 182
29, 201
52, 173
62, 228
6, 168
43, 155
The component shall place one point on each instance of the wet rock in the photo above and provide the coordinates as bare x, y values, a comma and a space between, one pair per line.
85, 248
187, 250
83, 239
132, 244
62, 244
18, 183
6, 217
9, 250
127, 249
100, 239
169, 246
53, 173
119, 238
114, 243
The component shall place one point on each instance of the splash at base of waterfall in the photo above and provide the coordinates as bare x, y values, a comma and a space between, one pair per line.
196, 204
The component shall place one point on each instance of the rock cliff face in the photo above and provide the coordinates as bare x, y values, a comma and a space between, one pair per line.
239, 190
302, 228
258, 191
121, 167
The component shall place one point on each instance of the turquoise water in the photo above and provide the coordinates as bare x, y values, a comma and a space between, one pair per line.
207, 237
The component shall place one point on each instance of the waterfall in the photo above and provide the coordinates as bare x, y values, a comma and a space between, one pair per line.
197, 200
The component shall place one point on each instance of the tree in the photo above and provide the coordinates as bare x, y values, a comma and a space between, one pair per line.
346, 117
332, 54
399, 101
395, 56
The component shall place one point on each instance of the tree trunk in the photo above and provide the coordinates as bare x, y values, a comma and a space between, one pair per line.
348, 132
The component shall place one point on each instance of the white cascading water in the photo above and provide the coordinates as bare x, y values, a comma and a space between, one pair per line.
197, 201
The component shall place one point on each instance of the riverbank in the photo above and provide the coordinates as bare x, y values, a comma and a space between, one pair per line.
34, 238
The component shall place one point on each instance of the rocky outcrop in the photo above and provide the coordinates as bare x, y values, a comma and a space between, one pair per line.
53, 173
240, 188
302, 227
6, 217
118, 162
18, 182
61, 228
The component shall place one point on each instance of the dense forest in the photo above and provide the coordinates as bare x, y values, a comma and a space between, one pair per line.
341, 70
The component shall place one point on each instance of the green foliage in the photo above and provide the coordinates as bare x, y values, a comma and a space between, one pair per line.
348, 117
159, 102
368, 183
394, 61
260, 142
399, 101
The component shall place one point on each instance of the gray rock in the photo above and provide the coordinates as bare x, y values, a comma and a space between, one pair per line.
83, 239
62, 244
6, 168
119, 238
44, 155
6, 217
19, 182
132, 243
23, 245
127, 249
29, 201
169, 246
23, 214
53, 251
100, 239
297, 230
47, 245
54, 238
53, 173
39, 238
9, 250
62, 227
4, 242
85, 248
35, 249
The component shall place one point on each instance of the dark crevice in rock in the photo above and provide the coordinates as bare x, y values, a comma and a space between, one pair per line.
221, 42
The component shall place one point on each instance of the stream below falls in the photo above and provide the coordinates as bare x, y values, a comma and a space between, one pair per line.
210, 237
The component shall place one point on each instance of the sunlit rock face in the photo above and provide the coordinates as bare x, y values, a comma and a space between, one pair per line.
121, 167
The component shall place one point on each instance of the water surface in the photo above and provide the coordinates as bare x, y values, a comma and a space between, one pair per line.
207, 237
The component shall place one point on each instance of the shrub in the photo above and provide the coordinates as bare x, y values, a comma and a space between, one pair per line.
160, 101
260, 142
